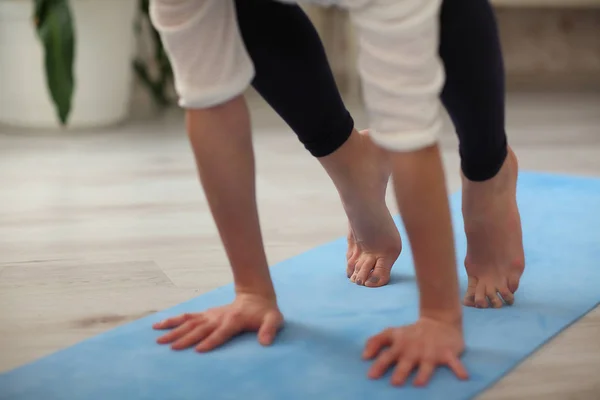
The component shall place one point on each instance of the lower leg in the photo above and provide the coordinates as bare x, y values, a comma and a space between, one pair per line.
293, 75
495, 258
474, 97
361, 171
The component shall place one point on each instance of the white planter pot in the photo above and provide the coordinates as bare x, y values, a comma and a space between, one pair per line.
105, 44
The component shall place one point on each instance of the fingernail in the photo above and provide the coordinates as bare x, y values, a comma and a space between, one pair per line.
374, 279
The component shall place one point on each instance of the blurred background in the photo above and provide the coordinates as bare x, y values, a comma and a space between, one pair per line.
550, 46
102, 219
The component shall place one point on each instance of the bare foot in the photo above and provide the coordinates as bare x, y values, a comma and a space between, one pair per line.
374, 243
495, 258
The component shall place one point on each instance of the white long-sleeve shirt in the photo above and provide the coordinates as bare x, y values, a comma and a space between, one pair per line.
399, 66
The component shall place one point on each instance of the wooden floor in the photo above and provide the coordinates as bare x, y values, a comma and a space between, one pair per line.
100, 228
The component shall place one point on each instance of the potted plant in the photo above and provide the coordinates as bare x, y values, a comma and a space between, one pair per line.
70, 62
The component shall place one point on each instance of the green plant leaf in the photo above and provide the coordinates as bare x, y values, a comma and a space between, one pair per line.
55, 29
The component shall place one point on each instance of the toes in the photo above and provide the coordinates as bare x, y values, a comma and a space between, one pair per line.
351, 266
371, 271
380, 276
493, 298
481, 300
513, 282
507, 295
357, 268
350, 269
481, 295
351, 254
365, 267
469, 299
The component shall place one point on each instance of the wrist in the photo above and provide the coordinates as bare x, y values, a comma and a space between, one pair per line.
253, 277
449, 315
264, 290
440, 300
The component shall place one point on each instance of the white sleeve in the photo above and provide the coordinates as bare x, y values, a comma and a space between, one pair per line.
202, 39
401, 72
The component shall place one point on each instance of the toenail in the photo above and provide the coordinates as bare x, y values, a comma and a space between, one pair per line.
359, 282
374, 279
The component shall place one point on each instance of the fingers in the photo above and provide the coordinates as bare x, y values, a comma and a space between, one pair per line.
220, 335
268, 330
213, 328
193, 337
425, 373
410, 349
403, 369
376, 343
382, 363
176, 333
457, 367
426, 369
175, 321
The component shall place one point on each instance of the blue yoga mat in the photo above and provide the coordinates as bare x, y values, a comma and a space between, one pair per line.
318, 354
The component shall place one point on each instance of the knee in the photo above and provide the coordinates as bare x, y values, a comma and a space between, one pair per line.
208, 58
401, 71
167, 15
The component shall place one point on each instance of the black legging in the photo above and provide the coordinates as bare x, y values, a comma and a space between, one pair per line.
294, 77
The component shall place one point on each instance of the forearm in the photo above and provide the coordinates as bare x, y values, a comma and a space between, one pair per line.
222, 144
421, 194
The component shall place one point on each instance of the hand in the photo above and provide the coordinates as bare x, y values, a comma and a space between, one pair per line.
424, 345
212, 328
